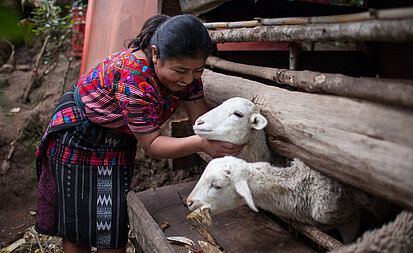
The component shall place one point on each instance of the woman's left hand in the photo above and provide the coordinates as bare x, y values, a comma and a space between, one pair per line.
219, 148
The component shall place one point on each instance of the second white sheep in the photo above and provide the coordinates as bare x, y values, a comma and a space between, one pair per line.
296, 192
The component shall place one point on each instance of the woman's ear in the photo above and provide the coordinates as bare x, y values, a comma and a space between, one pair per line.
155, 55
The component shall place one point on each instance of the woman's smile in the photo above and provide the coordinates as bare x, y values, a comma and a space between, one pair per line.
181, 84
176, 73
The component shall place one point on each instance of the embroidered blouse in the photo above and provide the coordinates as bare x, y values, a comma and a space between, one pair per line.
122, 92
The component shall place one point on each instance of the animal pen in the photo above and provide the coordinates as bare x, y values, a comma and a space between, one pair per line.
335, 83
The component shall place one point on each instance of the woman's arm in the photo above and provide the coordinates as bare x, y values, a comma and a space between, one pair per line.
163, 147
195, 108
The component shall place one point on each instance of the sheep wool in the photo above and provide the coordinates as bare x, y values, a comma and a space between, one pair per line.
396, 236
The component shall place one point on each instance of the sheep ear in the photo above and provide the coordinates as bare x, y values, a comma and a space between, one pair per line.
258, 121
243, 190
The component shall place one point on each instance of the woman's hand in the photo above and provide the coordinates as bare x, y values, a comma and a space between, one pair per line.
219, 149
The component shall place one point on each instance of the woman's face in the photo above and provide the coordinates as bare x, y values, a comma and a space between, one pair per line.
176, 73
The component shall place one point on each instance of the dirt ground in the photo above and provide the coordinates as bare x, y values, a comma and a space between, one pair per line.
21, 127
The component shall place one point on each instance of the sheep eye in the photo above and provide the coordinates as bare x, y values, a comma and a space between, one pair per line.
238, 114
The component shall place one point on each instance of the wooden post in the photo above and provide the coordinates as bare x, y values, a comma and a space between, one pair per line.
294, 54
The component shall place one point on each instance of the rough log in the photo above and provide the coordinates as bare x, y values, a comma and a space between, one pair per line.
396, 13
367, 145
144, 227
371, 30
314, 234
387, 91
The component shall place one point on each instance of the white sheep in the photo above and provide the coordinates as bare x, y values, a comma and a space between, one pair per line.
238, 121
296, 192
396, 236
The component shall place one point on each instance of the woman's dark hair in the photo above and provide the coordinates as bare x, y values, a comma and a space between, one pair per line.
143, 40
177, 37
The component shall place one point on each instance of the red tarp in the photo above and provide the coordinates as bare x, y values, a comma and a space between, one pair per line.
109, 23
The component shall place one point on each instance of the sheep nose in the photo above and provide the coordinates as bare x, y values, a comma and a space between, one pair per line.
192, 204
199, 122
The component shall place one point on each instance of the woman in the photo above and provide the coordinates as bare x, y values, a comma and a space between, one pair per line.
85, 160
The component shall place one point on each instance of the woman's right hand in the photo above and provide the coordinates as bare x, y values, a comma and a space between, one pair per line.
219, 148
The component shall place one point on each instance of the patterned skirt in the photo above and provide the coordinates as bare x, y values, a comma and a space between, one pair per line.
83, 182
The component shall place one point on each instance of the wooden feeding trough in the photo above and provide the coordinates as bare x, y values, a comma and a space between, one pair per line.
356, 129
239, 230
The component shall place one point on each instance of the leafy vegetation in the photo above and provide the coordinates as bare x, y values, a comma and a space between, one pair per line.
53, 24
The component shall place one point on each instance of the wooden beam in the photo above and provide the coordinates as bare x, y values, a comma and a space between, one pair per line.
386, 91
395, 13
371, 30
367, 145
144, 227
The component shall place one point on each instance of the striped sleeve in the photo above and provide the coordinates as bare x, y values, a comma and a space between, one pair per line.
139, 102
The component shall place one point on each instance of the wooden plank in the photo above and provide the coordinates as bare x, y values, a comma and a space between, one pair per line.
149, 236
240, 230
367, 145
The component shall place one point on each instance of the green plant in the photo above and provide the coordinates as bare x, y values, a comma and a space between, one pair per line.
53, 24
53, 28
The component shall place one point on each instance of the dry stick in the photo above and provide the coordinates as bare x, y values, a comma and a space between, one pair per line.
6, 163
316, 235
371, 30
36, 76
202, 230
51, 66
37, 239
382, 91
66, 73
59, 46
35, 70
57, 59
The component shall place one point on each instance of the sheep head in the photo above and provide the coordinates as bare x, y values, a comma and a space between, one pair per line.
222, 186
231, 121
